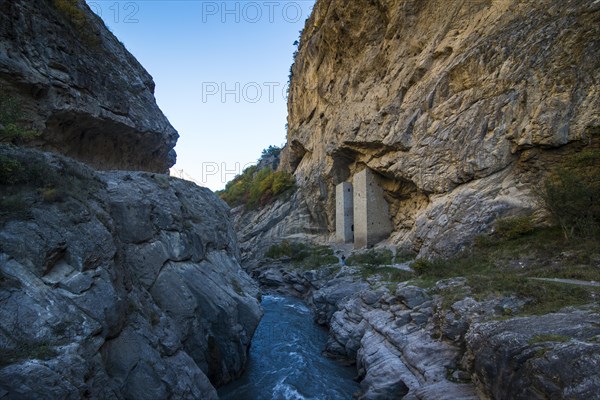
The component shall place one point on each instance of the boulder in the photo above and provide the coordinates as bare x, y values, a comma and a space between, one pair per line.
80, 88
538, 357
118, 285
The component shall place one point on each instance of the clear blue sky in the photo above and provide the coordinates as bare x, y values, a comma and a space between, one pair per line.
220, 67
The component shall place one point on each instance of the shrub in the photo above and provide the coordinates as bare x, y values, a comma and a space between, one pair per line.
52, 195
572, 194
76, 16
404, 255
10, 114
10, 170
24, 169
26, 350
436, 268
390, 274
318, 256
11, 205
237, 287
513, 227
302, 254
271, 151
548, 337
371, 257
293, 250
255, 189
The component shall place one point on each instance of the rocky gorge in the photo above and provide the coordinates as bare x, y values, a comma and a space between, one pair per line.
117, 281
463, 112
414, 343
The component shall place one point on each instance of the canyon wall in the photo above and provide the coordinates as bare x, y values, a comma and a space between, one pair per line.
80, 88
458, 107
123, 285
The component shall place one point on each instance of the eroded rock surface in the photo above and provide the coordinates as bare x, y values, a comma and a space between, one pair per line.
408, 342
81, 88
460, 107
538, 357
390, 336
285, 219
118, 285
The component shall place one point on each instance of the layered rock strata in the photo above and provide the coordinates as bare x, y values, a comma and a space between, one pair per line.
80, 88
121, 285
409, 343
459, 107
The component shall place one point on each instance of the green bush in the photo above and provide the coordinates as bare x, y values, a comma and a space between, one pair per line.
293, 250
389, 274
437, 268
76, 16
271, 151
572, 194
27, 350
18, 170
371, 257
255, 189
301, 254
404, 255
10, 170
52, 195
513, 227
10, 114
12, 205
548, 337
27, 178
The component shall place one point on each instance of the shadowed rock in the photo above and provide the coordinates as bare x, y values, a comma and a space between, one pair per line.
81, 88
118, 285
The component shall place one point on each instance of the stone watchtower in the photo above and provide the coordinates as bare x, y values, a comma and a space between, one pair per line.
362, 213
344, 213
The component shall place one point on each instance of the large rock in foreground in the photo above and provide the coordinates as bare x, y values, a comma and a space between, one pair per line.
116, 285
81, 88
554, 356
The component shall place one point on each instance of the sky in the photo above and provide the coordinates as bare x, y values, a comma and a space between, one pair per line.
221, 71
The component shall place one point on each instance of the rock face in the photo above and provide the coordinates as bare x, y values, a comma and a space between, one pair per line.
408, 342
117, 285
81, 88
541, 357
390, 337
459, 107
258, 230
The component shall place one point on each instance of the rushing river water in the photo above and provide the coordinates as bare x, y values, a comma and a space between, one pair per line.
286, 362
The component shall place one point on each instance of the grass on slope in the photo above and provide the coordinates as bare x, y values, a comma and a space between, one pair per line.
503, 265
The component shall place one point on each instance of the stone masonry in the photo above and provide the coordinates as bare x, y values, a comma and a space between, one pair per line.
371, 214
344, 213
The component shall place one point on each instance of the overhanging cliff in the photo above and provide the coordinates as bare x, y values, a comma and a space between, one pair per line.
459, 107
80, 87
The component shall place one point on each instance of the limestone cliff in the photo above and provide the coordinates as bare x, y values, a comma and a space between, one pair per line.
458, 106
81, 88
116, 284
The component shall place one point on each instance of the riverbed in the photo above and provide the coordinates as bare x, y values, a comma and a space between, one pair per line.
285, 360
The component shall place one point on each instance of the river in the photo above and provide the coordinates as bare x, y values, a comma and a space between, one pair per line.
285, 360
